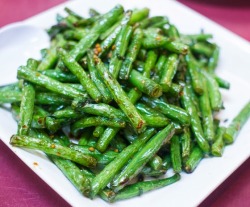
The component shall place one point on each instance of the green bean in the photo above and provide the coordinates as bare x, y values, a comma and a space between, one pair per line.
195, 121
195, 98
98, 82
49, 83
78, 71
144, 84
121, 98
156, 121
151, 116
199, 37
194, 159
168, 72
121, 45
150, 63
138, 15
94, 121
67, 113
173, 32
26, 109
139, 188
171, 111
213, 60
176, 47
155, 162
107, 174
52, 99
153, 39
106, 138
176, 154
185, 143
194, 73
40, 98
213, 92
206, 112
104, 110
131, 54
53, 149
27, 103
222, 83
10, 96
60, 76
158, 67
142, 157
218, 145
236, 124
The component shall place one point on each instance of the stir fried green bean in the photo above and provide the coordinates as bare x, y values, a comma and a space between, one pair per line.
121, 97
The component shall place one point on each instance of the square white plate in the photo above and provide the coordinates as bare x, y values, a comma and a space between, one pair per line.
234, 66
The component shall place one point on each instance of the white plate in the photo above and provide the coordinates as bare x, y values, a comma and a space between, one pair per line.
193, 188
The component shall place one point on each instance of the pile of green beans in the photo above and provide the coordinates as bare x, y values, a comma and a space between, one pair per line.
119, 99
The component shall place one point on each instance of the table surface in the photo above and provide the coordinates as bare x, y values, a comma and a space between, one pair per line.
20, 187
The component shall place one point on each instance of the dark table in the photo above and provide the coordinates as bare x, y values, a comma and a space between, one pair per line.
20, 187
